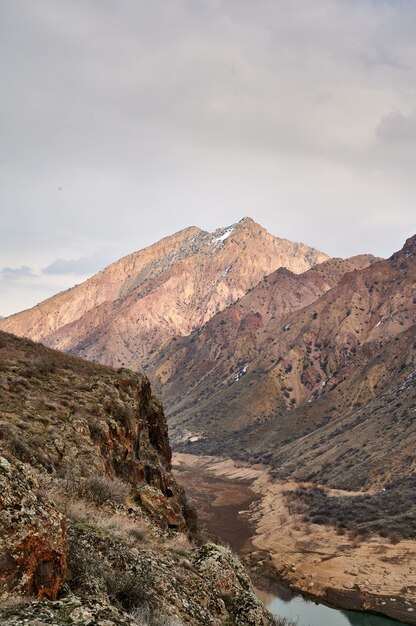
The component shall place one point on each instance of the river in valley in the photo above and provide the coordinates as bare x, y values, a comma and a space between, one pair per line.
283, 603
220, 502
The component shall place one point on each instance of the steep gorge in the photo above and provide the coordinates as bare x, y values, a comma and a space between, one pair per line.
301, 359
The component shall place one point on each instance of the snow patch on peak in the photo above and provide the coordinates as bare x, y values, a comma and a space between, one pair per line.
221, 238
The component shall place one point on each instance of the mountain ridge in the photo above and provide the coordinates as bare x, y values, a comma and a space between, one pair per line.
171, 288
268, 381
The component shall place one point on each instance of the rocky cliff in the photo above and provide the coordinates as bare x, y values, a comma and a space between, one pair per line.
92, 522
130, 309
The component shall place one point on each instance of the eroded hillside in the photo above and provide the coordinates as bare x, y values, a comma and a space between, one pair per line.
269, 377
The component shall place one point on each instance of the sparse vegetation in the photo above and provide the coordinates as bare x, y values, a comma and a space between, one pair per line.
103, 490
84, 450
390, 513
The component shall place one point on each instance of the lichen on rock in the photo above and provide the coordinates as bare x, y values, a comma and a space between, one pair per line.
32, 535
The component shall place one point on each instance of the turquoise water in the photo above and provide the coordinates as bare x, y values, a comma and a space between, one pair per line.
307, 613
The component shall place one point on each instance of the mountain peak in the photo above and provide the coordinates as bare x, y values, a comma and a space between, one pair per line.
170, 288
247, 220
248, 224
408, 250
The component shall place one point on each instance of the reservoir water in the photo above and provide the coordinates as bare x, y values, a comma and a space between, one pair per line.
218, 501
304, 612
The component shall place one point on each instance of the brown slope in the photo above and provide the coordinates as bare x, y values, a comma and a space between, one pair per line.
206, 364
347, 438
312, 352
61, 414
131, 308
63, 417
365, 437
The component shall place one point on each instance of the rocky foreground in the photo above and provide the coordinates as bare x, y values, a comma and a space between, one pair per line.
94, 528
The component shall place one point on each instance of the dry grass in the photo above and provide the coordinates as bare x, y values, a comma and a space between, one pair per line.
179, 544
80, 511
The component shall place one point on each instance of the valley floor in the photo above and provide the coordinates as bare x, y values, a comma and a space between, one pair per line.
370, 575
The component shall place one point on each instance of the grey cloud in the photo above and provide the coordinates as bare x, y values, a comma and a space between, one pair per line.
16, 273
122, 122
397, 127
79, 267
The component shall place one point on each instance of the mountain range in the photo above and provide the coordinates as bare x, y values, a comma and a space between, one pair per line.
303, 373
131, 308
261, 348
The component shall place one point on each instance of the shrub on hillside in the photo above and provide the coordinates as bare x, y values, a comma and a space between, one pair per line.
102, 490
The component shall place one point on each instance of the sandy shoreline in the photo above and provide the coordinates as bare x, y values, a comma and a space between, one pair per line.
373, 575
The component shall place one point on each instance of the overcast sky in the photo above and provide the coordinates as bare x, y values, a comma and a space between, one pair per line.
123, 121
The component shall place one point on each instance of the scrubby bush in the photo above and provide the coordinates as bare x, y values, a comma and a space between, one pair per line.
130, 591
44, 365
102, 490
394, 537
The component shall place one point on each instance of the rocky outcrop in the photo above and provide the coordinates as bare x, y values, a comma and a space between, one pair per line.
92, 520
129, 310
213, 589
32, 535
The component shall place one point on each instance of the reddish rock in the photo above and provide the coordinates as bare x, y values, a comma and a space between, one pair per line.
32, 535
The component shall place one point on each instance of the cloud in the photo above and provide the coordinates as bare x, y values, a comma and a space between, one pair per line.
16, 273
396, 128
80, 267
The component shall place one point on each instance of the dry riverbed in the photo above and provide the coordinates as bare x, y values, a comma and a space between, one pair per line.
372, 575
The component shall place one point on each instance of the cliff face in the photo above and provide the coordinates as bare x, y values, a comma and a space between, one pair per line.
90, 513
130, 309
67, 416
71, 419
32, 535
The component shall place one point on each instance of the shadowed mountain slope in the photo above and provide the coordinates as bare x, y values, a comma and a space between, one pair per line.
214, 367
